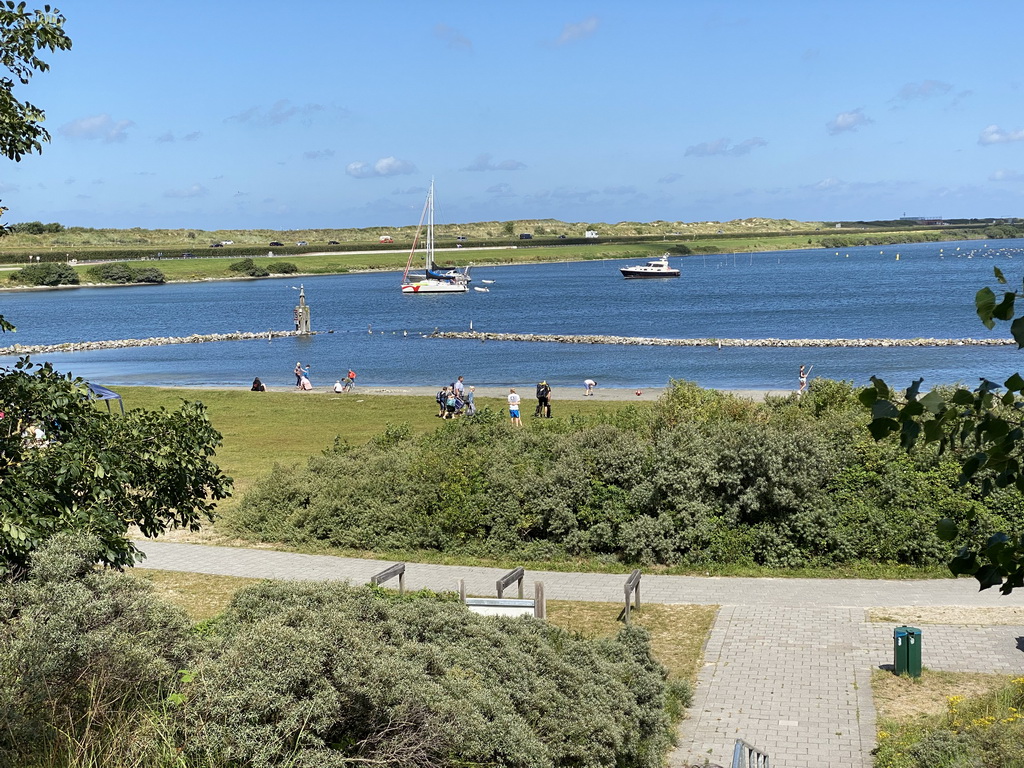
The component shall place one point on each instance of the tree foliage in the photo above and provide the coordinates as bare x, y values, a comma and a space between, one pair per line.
66, 465
23, 35
984, 427
50, 273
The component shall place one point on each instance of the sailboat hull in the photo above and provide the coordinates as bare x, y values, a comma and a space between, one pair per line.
434, 286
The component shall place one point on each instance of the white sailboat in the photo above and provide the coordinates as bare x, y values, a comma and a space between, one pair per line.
432, 281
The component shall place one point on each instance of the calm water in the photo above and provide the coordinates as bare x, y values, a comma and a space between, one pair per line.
852, 293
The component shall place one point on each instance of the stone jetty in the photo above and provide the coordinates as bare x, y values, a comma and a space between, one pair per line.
655, 342
89, 346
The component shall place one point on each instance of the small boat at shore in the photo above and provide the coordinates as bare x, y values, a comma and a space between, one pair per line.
655, 268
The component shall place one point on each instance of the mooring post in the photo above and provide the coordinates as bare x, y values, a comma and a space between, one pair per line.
302, 322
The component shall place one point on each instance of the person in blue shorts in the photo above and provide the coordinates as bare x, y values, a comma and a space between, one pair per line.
513, 407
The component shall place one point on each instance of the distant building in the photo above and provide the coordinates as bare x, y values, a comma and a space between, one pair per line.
932, 221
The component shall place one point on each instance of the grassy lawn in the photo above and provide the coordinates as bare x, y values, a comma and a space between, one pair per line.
677, 632
264, 429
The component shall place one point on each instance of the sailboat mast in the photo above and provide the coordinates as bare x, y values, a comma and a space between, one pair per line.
430, 227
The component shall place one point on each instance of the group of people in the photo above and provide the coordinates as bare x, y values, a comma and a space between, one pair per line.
303, 384
456, 399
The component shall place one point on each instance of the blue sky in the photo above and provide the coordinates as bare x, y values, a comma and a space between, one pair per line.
220, 114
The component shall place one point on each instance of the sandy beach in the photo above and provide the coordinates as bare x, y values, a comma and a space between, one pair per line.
526, 391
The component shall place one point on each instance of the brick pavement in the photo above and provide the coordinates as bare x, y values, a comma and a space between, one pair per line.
787, 664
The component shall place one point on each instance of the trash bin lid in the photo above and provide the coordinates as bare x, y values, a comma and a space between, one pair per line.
900, 632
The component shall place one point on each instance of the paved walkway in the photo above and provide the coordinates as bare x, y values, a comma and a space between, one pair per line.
787, 665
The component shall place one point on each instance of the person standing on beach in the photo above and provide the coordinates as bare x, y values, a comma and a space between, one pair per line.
802, 378
513, 408
298, 374
460, 387
543, 398
589, 384
471, 402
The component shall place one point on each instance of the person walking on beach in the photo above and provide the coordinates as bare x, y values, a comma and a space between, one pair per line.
441, 398
298, 374
543, 400
802, 378
460, 387
471, 401
513, 408
589, 384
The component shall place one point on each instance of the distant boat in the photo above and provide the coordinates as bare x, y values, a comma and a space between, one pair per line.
450, 281
488, 282
481, 290
655, 268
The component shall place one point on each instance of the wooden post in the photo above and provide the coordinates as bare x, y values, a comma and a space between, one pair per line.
632, 586
516, 574
540, 607
398, 569
462, 590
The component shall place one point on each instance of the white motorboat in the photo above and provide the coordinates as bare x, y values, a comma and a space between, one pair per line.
655, 268
433, 281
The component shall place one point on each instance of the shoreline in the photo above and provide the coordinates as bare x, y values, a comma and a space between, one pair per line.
526, 391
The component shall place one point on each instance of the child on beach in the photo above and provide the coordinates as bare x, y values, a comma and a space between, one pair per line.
513, 408
589, 384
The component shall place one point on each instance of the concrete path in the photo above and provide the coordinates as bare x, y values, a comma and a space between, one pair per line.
787, 665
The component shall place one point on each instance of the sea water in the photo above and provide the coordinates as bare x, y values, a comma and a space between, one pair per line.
366, 323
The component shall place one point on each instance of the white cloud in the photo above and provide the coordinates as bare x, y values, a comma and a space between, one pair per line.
501, 190
318, 154
452, 37
483, 163
386, 166
196, 190
993, 134
923, 90
97, 127
281, 111
579, 31
723, 147
848, 121
1006, 175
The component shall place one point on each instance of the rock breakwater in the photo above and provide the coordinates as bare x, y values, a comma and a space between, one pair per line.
89, 346
710, 342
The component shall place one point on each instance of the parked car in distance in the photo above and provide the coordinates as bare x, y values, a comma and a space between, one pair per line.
217, 245
277, 244
302, 242
187, 256
526, 236
461, 237
333, 242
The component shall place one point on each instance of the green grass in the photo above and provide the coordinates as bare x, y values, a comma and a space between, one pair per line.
949, 720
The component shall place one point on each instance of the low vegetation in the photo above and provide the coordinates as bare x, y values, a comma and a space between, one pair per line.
949, 720
704, 480
95, 670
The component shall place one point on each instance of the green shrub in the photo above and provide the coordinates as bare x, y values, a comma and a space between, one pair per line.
328, 675
47, 273
119, 272
80, 651
249, 268
281, 268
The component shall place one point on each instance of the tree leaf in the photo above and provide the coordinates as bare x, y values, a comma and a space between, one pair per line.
946, 529
985, 305
1017, 331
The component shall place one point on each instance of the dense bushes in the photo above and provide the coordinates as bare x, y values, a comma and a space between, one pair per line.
82, 653
120, 272
94, 670
321, 674
249, 268
706, 478
46, 273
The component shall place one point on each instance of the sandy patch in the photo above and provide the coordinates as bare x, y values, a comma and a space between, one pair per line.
954, 615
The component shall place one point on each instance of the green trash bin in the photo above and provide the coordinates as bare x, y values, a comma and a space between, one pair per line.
914, 651
906, 645
899, 651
